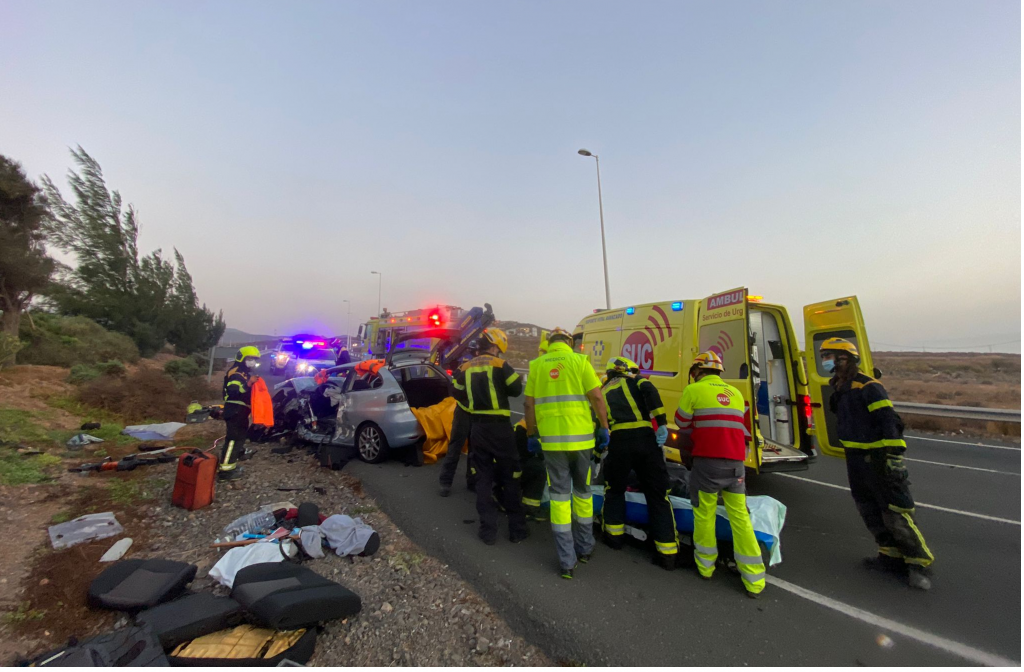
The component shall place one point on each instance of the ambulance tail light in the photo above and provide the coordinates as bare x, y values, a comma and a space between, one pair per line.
805, 400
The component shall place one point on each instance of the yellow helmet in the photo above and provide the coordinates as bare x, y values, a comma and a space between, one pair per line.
543, 347
247, 351
498, 338
835, 344
622, 365
708, 360
559, 333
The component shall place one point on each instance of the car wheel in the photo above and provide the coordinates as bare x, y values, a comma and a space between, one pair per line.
371, 444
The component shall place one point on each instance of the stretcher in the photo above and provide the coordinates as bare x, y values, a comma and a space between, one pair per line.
767, 515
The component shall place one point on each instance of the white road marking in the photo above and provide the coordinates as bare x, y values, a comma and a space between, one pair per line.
963, 443
924, 506
962, 466
962, 651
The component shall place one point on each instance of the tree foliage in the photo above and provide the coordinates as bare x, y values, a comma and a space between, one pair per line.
25, 267
149, 298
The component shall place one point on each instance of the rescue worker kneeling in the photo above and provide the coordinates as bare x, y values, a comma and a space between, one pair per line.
489, 381
710, 420
237, 392
633, 403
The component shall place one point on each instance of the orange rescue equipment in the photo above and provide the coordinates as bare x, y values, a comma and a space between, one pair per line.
369, 366
262, 407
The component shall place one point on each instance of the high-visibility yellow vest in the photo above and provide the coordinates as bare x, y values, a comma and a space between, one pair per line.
559, 382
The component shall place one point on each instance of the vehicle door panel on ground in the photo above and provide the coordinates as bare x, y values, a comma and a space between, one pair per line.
840, 318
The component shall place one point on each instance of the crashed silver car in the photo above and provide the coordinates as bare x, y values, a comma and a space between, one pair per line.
371, 411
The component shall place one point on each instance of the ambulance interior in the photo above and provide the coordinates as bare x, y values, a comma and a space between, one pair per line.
775, 399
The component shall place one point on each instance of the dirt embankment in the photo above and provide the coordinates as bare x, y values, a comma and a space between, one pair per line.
416, 611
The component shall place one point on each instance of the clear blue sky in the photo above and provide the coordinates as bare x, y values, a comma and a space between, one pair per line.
808, 150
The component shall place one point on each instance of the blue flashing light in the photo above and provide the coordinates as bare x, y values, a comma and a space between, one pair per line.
677, 305
630, 310
307, 346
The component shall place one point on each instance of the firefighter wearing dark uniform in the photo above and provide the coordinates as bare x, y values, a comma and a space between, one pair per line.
872, 435
633, 402
459, 436
489, 382
534, 475
237, 407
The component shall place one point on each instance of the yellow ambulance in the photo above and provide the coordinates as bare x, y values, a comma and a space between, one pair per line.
785, 389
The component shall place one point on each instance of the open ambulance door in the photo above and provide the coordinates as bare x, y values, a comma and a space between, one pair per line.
836, 318
722, 328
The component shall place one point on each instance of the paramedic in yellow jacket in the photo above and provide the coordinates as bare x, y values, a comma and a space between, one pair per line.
710, 421
561, 391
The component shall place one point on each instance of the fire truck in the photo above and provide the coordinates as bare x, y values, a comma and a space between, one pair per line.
377, 336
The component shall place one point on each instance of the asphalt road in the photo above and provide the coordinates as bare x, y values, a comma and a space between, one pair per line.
822, 607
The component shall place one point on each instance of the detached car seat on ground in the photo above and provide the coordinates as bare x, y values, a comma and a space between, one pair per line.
130, 647
134, 585
190, 617
285, 596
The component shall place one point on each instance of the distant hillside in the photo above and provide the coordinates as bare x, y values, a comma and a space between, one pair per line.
238, 337
523, 341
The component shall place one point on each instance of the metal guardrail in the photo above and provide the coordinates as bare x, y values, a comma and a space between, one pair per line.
937, 410
958, 412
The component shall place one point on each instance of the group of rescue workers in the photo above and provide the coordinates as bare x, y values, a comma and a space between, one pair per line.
573, 421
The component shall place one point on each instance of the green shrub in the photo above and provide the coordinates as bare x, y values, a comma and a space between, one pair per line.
180, 369
66, 341
112, 368
81, 373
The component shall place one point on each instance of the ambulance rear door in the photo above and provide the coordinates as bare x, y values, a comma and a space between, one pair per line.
601, 337
836, 318
722, 328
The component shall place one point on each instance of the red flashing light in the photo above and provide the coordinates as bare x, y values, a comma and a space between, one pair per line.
808, 411
449, 371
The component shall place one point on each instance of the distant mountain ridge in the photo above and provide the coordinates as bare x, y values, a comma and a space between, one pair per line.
234, 336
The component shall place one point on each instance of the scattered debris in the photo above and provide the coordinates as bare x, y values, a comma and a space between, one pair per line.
164, 431
117, 551
90, 425
84, 528
78, 441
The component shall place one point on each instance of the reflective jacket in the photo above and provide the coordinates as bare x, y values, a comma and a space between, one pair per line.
865, 416
559, 381
484, 384
710, 419
236, 391
632, 403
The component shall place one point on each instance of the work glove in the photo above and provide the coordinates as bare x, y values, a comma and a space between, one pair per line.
533, 446
603, 438
661, 435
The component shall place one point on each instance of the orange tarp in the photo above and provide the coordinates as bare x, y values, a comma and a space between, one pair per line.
436, 422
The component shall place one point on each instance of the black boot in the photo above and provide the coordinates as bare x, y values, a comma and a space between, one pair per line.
666, 562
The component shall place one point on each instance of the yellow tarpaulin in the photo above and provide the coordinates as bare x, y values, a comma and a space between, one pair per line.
436, 422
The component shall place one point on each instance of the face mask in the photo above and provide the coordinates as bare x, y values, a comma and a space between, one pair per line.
829, 365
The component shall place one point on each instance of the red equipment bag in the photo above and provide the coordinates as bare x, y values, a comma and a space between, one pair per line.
196, 480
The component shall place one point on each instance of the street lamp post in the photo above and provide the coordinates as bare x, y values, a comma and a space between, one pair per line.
348, 325
379, 279
600, 208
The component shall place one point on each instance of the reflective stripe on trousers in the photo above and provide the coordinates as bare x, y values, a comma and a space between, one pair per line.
572, 507
746, 551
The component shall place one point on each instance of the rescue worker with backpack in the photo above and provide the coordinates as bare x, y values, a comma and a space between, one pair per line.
488, 381
561, 392
237, 393
710, 421
633, 403
872, 436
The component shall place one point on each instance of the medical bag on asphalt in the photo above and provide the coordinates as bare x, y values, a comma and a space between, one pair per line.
135, 585
196, 480
285, 596
190, 617
246, 646
130, 647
